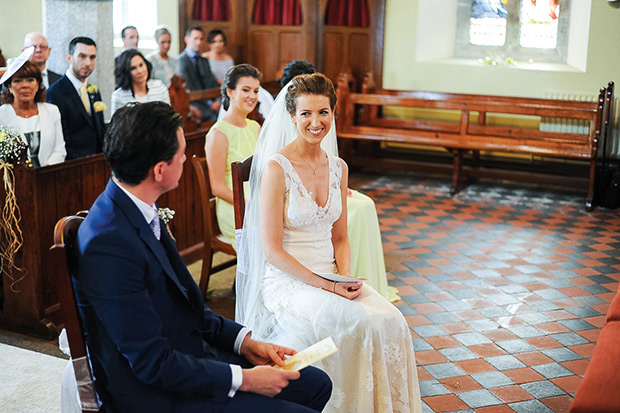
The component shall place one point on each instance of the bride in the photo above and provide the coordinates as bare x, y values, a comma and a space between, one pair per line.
295, 229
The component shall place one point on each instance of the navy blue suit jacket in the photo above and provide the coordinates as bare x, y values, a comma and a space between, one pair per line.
153, 342
83, 132
52, 77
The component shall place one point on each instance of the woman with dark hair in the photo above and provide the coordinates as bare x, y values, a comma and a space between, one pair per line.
132, 73
219, 60
164, 65
233, 138
24, 107
294, 285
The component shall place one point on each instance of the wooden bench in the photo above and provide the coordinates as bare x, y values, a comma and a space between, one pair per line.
45, 195
359, 116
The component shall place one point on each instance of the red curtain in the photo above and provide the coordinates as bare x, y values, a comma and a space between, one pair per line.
350, 13
211, 10
277, 12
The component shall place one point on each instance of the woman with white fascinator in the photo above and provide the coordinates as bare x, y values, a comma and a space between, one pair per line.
294, 285
24, 108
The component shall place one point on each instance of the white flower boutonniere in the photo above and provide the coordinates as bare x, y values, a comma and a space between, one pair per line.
166, 215
99, 106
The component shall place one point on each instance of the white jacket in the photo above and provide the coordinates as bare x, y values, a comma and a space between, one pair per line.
52, 147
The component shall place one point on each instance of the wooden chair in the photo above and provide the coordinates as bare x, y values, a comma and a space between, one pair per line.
213, 238
240, 174
64, 256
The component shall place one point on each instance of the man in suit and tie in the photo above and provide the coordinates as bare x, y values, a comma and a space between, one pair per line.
153, 343
39, 57
79, 103
197, 73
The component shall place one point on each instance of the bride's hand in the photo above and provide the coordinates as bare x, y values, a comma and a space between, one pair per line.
348, 290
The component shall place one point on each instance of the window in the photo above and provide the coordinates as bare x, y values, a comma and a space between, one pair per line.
510, 30
139, 13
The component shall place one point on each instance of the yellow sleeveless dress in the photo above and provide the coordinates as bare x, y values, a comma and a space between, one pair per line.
241, 144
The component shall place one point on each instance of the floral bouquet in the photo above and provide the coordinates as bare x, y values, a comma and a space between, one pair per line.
13, 150
12, 147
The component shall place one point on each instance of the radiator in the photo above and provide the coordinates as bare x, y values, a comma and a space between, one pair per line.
582, 126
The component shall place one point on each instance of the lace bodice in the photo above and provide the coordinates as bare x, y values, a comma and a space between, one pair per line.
300, 208
308, 226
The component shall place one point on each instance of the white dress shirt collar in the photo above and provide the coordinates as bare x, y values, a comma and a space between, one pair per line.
148, 211
77, 83
192, 54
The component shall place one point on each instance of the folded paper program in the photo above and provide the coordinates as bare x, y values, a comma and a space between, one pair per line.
338, 278
310, 355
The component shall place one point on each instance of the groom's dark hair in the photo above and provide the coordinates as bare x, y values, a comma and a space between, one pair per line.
139, 136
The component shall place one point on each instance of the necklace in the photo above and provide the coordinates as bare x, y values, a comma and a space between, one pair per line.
26, 113
308, 163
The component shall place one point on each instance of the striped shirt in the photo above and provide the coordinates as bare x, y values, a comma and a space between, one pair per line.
157, 93
220, 67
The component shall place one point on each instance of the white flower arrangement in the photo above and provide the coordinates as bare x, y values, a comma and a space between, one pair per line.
12, 148
165, 214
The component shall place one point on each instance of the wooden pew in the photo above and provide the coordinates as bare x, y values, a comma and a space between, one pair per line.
359, 117
47, 194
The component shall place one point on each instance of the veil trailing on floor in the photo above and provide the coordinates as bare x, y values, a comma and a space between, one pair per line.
277, 131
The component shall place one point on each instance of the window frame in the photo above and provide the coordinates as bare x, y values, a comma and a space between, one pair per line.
147, 38
511, 48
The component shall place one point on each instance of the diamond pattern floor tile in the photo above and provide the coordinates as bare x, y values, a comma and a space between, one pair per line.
505, 288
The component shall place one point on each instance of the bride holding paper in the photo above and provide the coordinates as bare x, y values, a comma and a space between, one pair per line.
295, 230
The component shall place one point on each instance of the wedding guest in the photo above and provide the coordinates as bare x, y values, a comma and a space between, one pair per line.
164, 65
233, 138
219, 59
153, 343
79, 102
24, 107
133, 82
197, 73
367, 260
294, 236
130, 38
39, 57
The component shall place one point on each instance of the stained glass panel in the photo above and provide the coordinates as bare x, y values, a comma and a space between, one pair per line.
539, 23
488, 22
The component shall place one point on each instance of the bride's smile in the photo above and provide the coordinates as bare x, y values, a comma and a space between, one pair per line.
313, 117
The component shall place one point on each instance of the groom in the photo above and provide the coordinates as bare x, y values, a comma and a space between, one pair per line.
153, 343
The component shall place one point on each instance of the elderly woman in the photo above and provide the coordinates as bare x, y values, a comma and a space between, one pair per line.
164, 66
133, 83
24, 107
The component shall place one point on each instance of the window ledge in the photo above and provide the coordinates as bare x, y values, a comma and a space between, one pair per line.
535, 66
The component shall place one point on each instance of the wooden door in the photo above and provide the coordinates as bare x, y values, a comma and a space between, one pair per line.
359, 48
271, 47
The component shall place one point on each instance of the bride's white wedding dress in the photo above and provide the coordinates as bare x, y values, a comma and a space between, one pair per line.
374, 369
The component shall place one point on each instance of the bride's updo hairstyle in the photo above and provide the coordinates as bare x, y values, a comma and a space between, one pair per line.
312, 84
232, 77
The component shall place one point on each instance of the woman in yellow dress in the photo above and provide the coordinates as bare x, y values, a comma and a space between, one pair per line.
233, 138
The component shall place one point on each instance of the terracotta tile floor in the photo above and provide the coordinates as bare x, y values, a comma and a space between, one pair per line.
505, 288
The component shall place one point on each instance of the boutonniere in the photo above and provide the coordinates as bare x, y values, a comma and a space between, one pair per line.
166, 215
99, 106
92, 89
